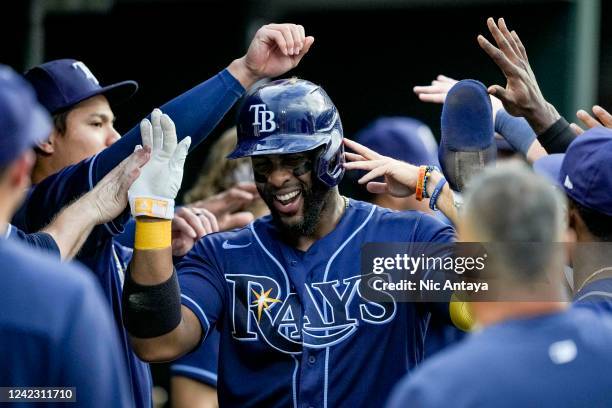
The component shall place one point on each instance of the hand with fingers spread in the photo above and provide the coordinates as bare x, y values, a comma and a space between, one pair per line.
437, 91
188, 226
153, 193
400, 178
602, 118
275, 49
522, 95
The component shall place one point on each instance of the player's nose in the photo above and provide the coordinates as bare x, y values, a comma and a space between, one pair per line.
112, 136
279, 176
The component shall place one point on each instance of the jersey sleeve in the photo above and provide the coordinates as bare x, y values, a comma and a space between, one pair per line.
92, 358
203, 288
38, 240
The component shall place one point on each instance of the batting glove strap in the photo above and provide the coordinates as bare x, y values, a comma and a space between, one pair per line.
152, 206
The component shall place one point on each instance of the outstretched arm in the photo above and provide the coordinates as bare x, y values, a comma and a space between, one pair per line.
102, 204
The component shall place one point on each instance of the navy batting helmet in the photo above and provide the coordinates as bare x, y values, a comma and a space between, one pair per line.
292, 116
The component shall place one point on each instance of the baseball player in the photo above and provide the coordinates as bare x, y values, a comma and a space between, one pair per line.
83, 119
283, 291
53, 332
535, 353
585, 175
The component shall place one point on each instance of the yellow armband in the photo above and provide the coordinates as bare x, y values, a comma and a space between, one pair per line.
153, 234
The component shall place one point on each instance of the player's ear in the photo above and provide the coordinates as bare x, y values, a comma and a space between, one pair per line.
48, 146
18, 173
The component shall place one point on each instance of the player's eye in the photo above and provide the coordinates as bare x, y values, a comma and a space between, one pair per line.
96, 124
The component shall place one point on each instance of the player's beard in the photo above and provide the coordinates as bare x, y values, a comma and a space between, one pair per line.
315, 199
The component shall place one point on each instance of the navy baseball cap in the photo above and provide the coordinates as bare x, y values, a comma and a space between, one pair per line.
467, 135
61, 84
585, 170
401, 138
24, 122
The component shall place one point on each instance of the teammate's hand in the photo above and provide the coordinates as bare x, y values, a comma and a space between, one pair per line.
275, 49
228, 205
602, 118
400, 178
437, 91
110, 196
188, 226
522, 95
153, 193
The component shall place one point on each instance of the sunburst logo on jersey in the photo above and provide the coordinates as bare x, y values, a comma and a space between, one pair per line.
263, 301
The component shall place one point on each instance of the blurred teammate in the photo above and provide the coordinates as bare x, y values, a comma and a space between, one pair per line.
526, 349
84, 126
54, 332
284, 291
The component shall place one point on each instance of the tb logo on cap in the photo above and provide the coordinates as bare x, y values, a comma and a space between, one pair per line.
83, 68
263, 118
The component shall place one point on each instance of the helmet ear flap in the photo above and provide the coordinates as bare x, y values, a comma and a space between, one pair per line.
330, 162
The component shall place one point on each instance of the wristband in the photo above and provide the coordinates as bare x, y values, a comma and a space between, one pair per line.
153, 235
151, 310
428, 171
436, 194
420, 182
152, 206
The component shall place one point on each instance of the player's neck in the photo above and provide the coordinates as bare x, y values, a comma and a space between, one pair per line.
330, 216
43, 168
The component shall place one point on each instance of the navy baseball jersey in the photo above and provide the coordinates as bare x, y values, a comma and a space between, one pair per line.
596, 295
295, 329
554, 360
194, 113
55, 330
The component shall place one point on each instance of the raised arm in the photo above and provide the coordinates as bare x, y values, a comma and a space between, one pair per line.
160, 328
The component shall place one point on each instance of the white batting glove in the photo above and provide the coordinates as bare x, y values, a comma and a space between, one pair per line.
153, 193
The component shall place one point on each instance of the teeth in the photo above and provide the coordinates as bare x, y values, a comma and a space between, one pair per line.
287, 196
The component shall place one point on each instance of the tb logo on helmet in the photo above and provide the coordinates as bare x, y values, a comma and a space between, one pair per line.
263, 118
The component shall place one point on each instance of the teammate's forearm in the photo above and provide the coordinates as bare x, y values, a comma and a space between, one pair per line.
195, 113
71, 227
445, 202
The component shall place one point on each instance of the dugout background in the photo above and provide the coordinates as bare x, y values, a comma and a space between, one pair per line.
368, 54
